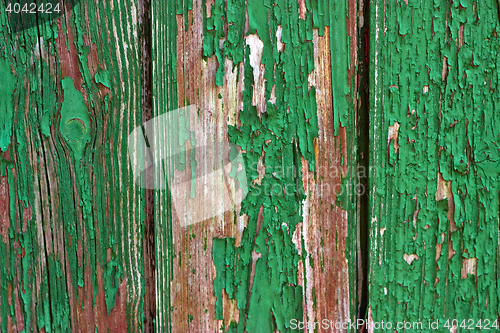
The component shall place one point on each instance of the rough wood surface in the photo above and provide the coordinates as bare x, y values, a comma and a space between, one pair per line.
70, 216
277, 79
435, 139
92, 246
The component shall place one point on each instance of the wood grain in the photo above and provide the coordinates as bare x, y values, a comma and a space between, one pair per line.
434, 139
228, 82
71, 216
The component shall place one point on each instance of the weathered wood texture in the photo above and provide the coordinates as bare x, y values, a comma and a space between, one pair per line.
70, 217
435, 139
277, 79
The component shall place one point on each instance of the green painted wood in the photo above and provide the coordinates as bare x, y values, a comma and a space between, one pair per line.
278, 80
71, 219
434, 153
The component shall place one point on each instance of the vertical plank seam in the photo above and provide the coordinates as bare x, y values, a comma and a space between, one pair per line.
149, 311
363, 137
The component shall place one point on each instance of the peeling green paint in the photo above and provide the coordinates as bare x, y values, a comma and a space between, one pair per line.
102, 77
283, 134
75, 121
435, 148
7, 84
164, 58
74, 246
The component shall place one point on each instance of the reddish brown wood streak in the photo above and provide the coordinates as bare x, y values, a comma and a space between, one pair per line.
4, 209
326, 231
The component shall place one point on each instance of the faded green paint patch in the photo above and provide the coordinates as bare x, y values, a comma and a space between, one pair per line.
102, 77
75, 121
7, 85
339, 55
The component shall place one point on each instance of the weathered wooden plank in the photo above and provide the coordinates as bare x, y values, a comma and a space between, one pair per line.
278, 80
435, 158
71, 253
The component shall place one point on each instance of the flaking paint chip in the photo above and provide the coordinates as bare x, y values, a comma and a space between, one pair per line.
442, 187
393, 135
410, 257
469, 266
